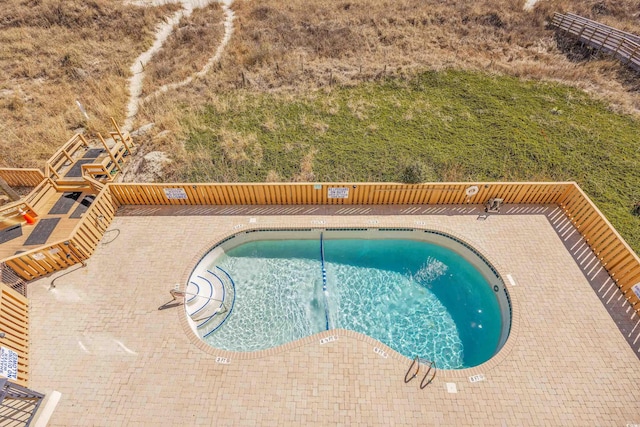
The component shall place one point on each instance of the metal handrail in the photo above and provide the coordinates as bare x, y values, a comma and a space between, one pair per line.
176, 293
415, 361
18, 404
426, 380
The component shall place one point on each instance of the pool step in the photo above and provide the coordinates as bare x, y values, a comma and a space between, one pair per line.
215, 306
204, 296
216, 320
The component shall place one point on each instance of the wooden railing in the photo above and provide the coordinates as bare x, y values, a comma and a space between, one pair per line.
40, 195
10, 213
43, 260
21, 177
95, 221
14, 322
96, 172
95, 185
80, 245
64, 156
621, 45
613, 252
578, 20
122, 137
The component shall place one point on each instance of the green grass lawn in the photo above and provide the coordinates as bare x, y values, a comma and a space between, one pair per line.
457, 126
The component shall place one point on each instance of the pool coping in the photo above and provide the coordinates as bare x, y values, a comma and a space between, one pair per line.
324, 337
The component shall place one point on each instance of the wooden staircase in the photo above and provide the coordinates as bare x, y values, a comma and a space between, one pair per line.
78, 165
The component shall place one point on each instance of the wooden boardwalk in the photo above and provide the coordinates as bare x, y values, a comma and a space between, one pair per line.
621, 45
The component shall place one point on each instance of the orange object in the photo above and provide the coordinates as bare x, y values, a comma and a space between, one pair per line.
27, 217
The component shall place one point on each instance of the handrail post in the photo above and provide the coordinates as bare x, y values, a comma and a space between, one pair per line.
415, 361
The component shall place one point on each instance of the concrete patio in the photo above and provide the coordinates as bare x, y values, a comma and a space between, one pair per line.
99, 339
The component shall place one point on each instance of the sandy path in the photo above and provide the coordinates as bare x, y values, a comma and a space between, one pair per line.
528, 4
162, 33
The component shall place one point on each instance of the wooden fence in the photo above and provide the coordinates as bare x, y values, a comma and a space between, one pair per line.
64, 157
614, 253
10, 213
14, 322
32, 203
320, 194
40, 195
621, 45
21, 177
95, 221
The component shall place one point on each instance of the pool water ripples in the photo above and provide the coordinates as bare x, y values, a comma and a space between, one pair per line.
416, 297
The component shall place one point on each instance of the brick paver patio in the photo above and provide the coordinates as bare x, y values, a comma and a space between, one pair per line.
99, 338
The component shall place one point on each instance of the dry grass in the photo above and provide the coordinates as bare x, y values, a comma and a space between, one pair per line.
298, 47
301, 44
306, 168
238, 149
186, 50
295, 46
53, 53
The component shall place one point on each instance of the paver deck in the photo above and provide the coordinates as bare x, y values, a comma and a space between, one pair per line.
99, 338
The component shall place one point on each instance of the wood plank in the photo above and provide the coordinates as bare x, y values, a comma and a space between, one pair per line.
629, 281
621, 272
619, 260
14, 306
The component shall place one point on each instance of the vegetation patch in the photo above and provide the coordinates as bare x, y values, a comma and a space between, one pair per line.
187, 49
54, 54
438, 126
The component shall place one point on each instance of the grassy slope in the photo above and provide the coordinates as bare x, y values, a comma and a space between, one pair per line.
460, 126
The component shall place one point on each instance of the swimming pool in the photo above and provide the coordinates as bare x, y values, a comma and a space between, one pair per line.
421, 292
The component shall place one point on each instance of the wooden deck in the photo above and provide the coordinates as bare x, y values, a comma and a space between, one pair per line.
79, 168
62, 229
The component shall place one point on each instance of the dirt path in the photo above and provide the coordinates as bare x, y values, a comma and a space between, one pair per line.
162, 33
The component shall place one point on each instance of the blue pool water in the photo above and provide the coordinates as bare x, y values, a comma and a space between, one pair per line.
419, 298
